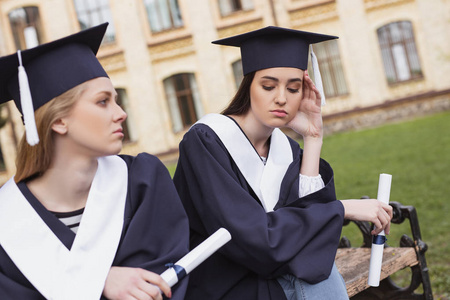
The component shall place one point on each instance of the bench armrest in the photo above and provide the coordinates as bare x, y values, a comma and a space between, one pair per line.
391, 264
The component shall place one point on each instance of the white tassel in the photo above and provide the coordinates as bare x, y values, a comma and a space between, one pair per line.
27, 105
317, 76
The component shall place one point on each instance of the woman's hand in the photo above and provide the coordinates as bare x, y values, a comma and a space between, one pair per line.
134, 283
370, 210
308, 120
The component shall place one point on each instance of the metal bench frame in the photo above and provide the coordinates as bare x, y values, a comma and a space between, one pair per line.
419, 272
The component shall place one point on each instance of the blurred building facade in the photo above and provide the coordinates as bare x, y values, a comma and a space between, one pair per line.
391, 61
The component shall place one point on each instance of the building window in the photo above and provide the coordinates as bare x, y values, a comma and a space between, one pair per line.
238, 73
163, 14
3, 121
95, 12
228, 7
122, 100
398, 49
183, 99
329, 60
2, 161
26, 27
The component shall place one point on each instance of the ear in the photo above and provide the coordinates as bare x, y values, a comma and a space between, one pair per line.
60, 126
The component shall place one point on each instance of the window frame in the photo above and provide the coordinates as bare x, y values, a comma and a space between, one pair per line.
30, 21
330, 64
173, 12
230, 7
3, 122
122, 101
238, 73
182, 119
96, 12
409, 54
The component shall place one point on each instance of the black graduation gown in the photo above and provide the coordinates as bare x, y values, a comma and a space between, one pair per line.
299, 237
155, 228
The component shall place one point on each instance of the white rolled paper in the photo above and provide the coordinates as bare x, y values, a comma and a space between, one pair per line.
199, 254
376, 254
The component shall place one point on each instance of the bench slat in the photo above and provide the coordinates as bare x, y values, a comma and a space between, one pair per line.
353, 264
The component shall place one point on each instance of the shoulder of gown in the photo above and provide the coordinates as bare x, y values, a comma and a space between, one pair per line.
212, 191
155, 229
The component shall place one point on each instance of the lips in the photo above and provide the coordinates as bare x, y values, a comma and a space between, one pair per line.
279, 112
120, 130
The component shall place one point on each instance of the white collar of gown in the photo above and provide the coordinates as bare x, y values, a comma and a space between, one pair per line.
265, 180
55, 271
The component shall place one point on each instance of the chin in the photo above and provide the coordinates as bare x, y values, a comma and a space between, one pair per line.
113, 151
117, 151
278, 123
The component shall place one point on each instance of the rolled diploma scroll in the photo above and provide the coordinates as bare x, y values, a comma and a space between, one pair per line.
376, 255
195, 257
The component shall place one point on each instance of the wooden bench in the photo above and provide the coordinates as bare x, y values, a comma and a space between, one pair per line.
353, 263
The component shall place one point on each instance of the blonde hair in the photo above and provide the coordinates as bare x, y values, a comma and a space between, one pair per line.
33, 161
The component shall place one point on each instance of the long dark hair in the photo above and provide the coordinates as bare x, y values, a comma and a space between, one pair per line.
240, 104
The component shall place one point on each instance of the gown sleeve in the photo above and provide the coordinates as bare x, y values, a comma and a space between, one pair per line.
299, 237
155, 230
12, 289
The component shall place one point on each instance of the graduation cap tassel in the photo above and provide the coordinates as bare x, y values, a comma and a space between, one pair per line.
27, 105
317, 76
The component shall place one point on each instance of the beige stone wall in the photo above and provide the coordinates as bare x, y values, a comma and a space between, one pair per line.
140, 60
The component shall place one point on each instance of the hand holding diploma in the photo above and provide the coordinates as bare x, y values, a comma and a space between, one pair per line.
195, 257
376, 256
139, 283
369, 210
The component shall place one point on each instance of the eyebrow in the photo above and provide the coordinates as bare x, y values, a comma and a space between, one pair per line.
277, 80
115, 95
108, 93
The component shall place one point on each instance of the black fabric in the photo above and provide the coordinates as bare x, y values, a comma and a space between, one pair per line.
299, 237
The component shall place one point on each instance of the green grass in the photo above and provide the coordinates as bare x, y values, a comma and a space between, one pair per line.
171, 168
417, 154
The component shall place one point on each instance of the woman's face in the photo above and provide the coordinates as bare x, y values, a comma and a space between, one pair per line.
94, 125
275, 95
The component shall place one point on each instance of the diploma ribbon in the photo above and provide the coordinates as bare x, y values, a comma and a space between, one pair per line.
179, 270
379, 239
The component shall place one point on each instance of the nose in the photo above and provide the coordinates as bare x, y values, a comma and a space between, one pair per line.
119, 115
280, 98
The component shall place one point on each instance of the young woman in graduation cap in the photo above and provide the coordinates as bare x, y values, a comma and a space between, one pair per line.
239, 171
77, 221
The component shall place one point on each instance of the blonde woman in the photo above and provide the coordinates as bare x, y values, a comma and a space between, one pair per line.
77, 221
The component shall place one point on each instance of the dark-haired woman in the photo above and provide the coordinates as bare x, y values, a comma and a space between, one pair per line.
238, 170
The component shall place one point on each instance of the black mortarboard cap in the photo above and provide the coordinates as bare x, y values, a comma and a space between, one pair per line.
51, 69
272, 47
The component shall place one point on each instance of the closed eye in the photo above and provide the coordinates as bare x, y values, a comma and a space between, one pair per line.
293, 91
268, 88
